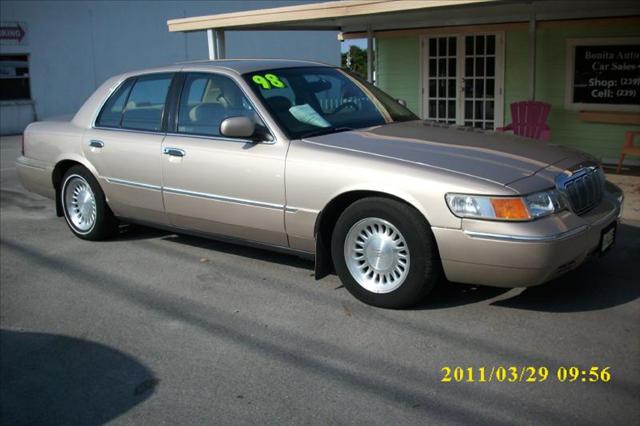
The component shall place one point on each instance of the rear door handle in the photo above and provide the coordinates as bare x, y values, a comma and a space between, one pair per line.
95, 143
175, 152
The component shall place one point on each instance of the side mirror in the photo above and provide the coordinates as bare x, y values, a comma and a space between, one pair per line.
238, 127
402, 102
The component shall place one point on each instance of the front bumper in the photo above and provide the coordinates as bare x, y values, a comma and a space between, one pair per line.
524, 254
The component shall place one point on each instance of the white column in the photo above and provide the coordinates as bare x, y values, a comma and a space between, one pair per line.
211, 43
222, 51
369, 54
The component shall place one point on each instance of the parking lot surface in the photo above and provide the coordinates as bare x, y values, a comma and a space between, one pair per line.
158, 328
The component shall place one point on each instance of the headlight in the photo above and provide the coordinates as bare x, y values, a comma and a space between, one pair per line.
506, 208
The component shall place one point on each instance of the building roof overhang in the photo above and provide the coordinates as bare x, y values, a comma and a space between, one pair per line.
356, 16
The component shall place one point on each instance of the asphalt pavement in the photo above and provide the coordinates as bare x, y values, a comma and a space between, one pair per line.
158, 328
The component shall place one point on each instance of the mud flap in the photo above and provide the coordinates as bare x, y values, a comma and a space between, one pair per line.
59, 211
323, 266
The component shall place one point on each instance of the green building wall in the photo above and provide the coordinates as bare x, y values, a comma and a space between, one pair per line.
398, 69
398, 65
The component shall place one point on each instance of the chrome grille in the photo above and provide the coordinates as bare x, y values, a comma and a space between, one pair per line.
582, 188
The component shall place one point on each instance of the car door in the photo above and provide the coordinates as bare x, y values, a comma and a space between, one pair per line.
220, 185
125, 147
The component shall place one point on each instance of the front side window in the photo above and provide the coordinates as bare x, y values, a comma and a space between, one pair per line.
320, 100
138, 104
207, 100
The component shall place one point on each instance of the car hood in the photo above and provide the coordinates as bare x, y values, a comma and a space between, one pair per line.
497, 157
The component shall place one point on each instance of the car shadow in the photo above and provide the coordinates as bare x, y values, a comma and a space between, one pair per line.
600, 283
53, 379
449, 294
139, 232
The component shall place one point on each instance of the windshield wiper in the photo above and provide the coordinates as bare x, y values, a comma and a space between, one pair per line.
326, 131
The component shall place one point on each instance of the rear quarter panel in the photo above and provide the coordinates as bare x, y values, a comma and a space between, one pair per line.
52, 141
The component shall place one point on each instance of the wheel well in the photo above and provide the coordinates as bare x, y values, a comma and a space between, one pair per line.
327, 220
56, 177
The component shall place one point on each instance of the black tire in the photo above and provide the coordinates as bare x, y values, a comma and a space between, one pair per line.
105, 224
424, 268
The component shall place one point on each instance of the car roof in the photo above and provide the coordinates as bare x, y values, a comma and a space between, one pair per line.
242, 66
239, 66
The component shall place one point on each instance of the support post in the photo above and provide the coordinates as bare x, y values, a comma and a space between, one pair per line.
369, 54
532, 54
222, 51
211, 44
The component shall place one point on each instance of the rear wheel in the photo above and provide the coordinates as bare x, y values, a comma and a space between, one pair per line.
384, 253
84, 205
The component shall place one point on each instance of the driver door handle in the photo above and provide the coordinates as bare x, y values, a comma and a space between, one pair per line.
95, 143
175, 152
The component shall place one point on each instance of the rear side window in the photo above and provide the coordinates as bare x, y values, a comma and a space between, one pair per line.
112, 111
138, 104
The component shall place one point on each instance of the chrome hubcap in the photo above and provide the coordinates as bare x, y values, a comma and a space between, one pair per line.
80, 203
377, 255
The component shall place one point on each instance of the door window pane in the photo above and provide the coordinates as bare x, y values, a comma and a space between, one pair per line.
452, 67
479, 67
468, 87
468, 45
479, 92
432, 68
432, 88
452, 87
479, 45
112, 111
442, 88
468, 67
479, 82
452, 46
442, 67
491, 45
207, 100
145, 105
479, 110
490, 88
491, 67
442, 47
441, 93
489, 111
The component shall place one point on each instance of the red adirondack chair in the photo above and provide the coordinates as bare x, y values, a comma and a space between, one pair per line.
529, 119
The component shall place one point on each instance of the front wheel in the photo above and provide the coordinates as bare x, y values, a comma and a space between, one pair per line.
84, 205
384, 253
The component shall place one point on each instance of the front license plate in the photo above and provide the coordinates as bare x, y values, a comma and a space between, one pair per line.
608, 237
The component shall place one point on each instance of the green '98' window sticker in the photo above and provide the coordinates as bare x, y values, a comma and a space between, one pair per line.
268, 81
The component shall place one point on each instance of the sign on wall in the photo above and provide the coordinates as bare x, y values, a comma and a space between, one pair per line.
13, 33
603, 74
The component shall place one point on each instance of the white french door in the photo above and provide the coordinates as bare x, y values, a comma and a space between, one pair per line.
463, 79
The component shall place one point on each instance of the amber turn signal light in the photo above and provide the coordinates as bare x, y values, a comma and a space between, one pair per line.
510, 208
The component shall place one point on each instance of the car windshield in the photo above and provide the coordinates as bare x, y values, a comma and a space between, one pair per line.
313, 101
